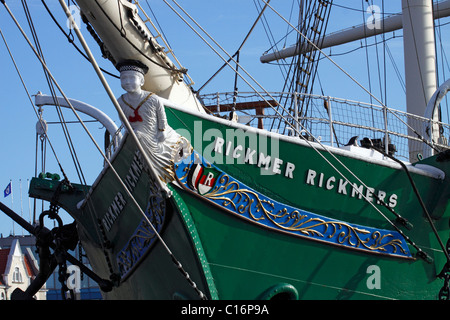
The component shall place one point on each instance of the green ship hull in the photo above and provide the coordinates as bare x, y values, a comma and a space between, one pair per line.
293, 227
253, 214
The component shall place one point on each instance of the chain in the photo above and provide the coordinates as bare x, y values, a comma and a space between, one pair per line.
444, 293
106, 246
57, 233
60, 255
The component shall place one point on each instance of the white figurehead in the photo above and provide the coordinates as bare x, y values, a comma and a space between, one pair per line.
147, 117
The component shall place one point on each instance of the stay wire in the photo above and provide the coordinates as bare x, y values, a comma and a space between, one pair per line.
422, 204
37, 116
71, 40
420, 251
29, 96
134, 46
174, 259
53, 93
419, 136
160, 186
323, 146
237, 51
60, 113
417, 55
273, 43
50, 75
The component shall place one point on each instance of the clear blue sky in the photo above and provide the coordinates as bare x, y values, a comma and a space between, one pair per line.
227, 21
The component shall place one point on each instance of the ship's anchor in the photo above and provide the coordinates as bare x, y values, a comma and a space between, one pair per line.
60, 239
444, 293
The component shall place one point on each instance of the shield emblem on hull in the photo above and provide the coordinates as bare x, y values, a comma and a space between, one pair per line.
202, 179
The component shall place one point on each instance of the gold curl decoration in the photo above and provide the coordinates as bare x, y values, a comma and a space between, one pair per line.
246, 201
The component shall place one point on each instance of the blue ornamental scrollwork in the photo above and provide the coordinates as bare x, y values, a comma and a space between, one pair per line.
210, 183
144, 235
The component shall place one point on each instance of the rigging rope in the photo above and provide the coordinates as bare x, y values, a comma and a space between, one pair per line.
70, 39
236, 53
37, 113
161, 188
51, 77
443, 57
270, 37
136, 48
367, 60
53, 93
177, 263
325, 148
419, 136
417, 55
422, 204
313, 21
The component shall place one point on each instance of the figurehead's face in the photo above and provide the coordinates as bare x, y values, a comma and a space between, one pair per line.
131, 81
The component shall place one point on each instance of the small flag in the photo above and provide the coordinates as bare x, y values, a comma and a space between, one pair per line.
7, 190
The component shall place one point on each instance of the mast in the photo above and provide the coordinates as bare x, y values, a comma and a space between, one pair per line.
420, 63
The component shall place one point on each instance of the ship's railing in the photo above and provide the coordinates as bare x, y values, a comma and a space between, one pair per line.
331, 120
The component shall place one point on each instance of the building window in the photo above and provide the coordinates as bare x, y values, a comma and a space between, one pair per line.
17, 276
